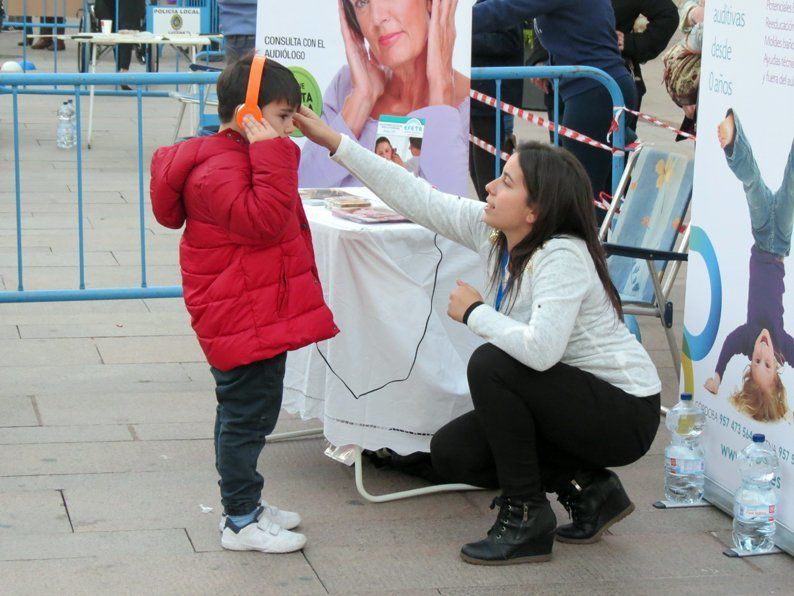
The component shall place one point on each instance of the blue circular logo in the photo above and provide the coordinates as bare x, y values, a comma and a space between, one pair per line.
696, 347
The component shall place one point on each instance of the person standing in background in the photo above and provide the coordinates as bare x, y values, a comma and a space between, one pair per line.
636, 46
131, 16
682, 64
45, 42
493, 48
576, 34
238, 25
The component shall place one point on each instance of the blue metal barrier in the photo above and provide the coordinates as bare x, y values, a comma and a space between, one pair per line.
555, 74
59, 10
24, 84
210, 24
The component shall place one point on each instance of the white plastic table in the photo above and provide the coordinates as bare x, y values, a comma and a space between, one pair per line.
137, 38
377, 280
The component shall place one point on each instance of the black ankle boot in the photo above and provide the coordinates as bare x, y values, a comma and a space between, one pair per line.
523, 533
595, 501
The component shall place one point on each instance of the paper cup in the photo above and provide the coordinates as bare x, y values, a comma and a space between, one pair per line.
107, 25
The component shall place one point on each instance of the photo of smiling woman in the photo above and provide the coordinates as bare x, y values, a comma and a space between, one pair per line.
400, 63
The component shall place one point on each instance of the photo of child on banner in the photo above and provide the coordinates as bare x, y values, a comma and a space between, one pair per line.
399, 56
762, 338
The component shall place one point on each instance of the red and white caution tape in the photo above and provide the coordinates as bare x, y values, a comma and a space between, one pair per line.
543, 123
652, 120
488, 147
602, 202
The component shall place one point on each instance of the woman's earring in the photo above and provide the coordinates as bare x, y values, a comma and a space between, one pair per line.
494, 236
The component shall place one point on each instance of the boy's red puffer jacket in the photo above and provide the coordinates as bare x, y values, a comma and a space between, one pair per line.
248, 271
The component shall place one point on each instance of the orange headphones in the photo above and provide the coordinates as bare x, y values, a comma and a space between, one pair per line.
251, 105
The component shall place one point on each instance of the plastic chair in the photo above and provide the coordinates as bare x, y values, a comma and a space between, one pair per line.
646, 240
207, 123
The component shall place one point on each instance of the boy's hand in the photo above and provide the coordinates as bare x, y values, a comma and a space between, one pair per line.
316, 130
258, 131
712, 385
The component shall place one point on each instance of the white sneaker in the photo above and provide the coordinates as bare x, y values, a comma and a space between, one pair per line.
286, 519
263, 536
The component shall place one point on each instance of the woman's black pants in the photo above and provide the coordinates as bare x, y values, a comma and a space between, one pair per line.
532, 431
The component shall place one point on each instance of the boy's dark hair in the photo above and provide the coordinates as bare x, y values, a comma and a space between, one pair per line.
382, 140
278, 84
415, 142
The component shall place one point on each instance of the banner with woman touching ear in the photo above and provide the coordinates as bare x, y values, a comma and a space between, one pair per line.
364, 62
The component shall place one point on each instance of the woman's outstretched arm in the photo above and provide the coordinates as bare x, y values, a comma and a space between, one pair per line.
454, 217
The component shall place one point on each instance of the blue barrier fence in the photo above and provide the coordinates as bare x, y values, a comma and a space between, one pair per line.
27, 84
209, 25
555, 74
58, 12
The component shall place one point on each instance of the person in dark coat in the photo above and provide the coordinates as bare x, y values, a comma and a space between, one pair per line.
636, 47
576, 34
496, 48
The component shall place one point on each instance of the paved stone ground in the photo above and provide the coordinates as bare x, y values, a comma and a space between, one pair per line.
106, 413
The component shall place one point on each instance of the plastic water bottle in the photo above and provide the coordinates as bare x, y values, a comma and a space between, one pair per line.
684, 468
755, 502
66, 134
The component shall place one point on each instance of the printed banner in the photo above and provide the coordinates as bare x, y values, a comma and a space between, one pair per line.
738, 348
360, 61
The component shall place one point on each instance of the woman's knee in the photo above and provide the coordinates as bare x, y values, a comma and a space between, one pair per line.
483, 362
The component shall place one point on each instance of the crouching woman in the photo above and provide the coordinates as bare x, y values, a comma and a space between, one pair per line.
561, 390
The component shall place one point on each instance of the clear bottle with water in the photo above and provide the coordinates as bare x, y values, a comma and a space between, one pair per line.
66, 134
684, 467
755, 501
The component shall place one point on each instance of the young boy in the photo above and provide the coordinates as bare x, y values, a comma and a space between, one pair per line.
250, 282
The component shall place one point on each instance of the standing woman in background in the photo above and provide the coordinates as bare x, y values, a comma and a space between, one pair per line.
575, 33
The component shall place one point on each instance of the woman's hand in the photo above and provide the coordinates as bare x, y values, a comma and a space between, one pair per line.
440, 46
621, 40
366, 75
316, 130
712, 385
258, 130
461, 299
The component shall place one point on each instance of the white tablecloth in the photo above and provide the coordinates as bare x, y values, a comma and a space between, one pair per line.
378, 280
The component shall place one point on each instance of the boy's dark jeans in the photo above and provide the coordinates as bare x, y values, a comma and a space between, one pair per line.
249, 401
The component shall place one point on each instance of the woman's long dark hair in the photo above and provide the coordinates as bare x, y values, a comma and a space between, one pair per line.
559, 191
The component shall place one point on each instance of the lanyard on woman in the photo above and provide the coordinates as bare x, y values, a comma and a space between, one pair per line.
500, 292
